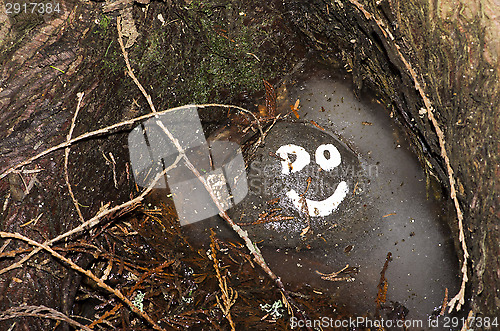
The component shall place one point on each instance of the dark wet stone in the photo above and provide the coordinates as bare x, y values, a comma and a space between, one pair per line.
275, 191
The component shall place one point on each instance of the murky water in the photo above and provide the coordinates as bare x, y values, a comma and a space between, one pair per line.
406, 223
404, 218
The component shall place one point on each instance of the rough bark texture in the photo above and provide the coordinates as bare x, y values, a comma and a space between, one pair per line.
44, 65
195, 53
211, 52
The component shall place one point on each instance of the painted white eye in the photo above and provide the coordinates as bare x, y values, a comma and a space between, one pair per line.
302, 158
333, 159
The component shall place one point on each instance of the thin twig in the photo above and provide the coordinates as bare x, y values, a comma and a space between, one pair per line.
117, 126
39, 311
6, 203
6, 243
19, 263
66, 158
129, 68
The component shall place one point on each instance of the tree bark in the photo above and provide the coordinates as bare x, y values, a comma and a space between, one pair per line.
181, 55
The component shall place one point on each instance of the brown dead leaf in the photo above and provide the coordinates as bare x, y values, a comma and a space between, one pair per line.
295, 108
317, 125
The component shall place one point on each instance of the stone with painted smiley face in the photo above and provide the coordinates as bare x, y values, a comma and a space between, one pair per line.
305, 187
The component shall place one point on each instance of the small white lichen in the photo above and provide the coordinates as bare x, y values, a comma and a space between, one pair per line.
275, 310
139, 297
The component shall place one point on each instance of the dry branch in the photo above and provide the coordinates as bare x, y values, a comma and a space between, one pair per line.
39, 311
66, 158
121, 125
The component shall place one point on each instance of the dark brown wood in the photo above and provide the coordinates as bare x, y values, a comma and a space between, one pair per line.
182, 58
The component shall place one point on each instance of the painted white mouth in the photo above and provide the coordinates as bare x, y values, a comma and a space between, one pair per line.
323, 207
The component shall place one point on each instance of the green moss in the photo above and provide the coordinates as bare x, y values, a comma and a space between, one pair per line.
112, 60
229, 63
104, 22
212, 53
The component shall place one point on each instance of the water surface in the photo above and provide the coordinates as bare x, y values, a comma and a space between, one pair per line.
409, 221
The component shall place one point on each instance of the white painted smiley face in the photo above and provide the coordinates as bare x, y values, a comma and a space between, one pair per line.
315, 208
